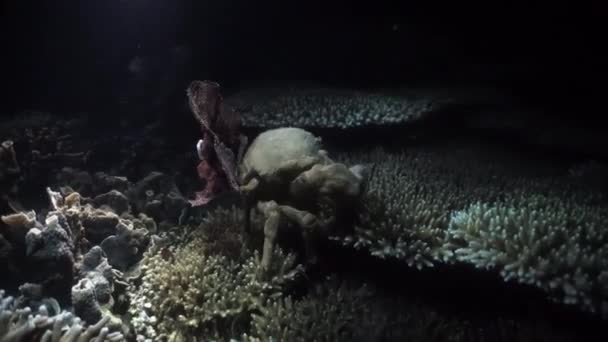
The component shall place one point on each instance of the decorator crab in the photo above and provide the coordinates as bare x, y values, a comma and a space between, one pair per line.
289, 178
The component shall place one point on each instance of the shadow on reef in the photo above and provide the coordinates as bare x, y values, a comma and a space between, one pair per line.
457, 290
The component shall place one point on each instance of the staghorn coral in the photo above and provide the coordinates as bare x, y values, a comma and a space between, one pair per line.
548, 242
329, 313
413, 193
310, 107
23, 324
421, 209
123, 238
208, 296
406, 211
221, 232
44, 144
340, 311
193, 292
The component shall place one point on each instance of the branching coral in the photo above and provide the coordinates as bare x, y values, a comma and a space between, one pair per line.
329, 313
191, 292
407, 209
22, 324
422, 210
334, 108
555, 244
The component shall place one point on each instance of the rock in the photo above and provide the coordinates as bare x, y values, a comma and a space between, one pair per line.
125, 248
113, 199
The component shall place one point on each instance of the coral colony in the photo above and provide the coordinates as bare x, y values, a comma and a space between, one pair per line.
113, 250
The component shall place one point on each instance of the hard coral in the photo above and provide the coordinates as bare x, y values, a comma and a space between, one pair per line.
321, 107
427, 208
222, 144
19, 324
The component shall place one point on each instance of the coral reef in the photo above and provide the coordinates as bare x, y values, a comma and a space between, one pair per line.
131, 260
96, 286
131, 152
557, 245
62, 244
199, 290
428, 211
22, 323
157, 196
51, 249
308, 107
342, 311
60, 250
126, 247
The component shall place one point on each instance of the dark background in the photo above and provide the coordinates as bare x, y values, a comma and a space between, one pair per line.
72, 56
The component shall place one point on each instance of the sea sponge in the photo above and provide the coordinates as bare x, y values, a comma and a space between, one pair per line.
341, 311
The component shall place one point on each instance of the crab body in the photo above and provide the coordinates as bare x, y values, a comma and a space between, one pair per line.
287, 175
278, 156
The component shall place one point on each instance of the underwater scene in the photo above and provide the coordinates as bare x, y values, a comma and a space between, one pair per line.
274, 171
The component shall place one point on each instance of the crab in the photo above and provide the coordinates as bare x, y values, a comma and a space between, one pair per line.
288, 177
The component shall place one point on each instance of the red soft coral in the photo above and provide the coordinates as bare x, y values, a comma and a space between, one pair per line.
221, 140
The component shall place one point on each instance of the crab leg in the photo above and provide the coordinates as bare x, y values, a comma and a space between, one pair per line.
303, 218
246, 191
271, 227
309, 226
273, 213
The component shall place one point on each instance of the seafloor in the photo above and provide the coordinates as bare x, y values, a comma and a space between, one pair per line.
481, 222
